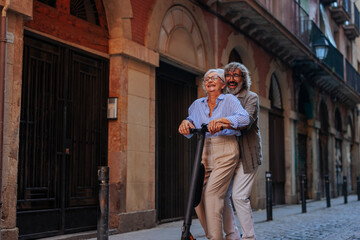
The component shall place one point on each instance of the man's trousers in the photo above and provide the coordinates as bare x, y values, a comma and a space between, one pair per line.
241, 189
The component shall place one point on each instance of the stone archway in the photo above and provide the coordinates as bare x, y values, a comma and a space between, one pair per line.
276, 142
180, 38
159, 35
182, 50
118, 16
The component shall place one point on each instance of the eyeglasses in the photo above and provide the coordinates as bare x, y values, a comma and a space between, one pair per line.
213, 78
235, 76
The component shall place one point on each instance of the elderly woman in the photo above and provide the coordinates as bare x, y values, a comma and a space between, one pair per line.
221, 152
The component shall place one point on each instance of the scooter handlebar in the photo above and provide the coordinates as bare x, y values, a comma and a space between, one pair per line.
203, 129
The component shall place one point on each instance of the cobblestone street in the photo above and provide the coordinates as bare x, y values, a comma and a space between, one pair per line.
340, 221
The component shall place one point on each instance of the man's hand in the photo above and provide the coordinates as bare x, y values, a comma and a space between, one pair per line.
185, 126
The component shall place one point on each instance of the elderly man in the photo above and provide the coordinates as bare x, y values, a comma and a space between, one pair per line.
238, 83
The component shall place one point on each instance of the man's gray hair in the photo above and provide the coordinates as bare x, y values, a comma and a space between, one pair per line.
231, 67
220, 72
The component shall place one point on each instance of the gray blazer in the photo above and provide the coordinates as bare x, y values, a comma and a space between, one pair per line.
250, 139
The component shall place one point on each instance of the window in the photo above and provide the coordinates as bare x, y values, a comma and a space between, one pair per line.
51, 3
304, 104
234, 56
349, 128
84, 9
305, 5
337, 121
275, 93
348, 53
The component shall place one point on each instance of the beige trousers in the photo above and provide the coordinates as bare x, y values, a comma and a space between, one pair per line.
220, 158
241, 190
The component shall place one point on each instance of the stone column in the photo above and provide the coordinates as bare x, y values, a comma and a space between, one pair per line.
291, 196
313, 177
13, 81
132, 136
355, 158
332, 161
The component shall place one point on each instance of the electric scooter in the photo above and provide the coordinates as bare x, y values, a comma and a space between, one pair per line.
196, 183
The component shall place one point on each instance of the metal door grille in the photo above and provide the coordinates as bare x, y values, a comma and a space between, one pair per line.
63, 138
38, 170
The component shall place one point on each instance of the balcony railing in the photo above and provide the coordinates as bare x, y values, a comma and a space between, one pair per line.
341, 11
299, 23
326, 2
352, 77
334, 58
308, 32
302, 22
351, 28
356, 17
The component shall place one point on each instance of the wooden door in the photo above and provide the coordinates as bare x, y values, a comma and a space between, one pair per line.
175, 91
302, 160
277, 157
63, 138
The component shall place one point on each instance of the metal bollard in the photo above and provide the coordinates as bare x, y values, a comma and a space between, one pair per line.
103, 209
358, 187
327, 189
345, 192
268, 196
302, 193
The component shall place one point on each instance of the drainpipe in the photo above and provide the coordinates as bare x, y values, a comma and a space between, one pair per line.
2, 84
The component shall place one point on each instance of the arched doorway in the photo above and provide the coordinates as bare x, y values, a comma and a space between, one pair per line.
323, 147
276, 142
180, 43
175, 91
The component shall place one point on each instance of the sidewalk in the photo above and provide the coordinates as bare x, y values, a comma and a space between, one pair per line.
172, 231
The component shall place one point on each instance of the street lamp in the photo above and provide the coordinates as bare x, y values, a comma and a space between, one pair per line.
321, 46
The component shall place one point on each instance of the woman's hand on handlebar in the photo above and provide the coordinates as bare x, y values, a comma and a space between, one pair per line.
185, 126
218, 125
215, 126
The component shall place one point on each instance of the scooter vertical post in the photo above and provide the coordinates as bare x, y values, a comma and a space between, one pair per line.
186, 235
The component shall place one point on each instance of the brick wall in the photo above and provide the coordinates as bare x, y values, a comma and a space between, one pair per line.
59, 23
141, 12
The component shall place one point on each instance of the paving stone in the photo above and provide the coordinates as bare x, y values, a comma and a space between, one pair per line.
340, 221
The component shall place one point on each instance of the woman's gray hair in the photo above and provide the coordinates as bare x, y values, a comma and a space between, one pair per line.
220, 72
231, 67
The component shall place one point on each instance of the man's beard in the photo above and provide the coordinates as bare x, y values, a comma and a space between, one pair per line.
233, 91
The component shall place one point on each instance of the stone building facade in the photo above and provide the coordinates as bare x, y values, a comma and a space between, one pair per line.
65, 58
